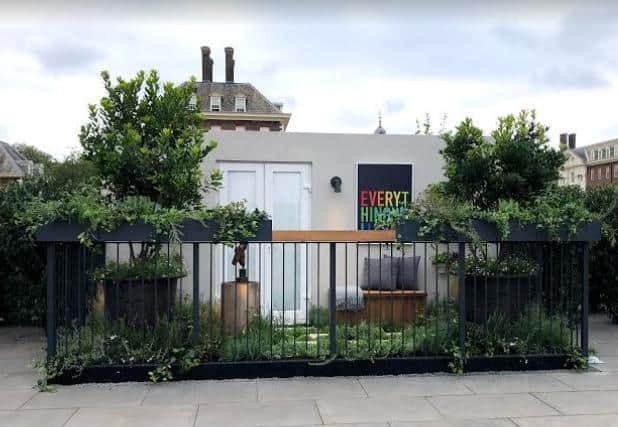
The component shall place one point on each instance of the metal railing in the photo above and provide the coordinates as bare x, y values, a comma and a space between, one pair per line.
316, 303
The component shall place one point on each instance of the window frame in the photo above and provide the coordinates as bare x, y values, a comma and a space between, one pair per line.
213, 104
244, 104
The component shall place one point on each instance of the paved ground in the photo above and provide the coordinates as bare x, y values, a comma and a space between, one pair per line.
489, 400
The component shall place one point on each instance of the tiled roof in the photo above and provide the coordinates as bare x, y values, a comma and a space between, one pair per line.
256, 102
13, 164
579, 152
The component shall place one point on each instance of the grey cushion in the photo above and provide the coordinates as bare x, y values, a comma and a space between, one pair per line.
408, 271
379, 274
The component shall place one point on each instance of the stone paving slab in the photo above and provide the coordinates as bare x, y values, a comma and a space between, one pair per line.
393, 408
280, 413
491, 406
610, 363
457, 423
309, 388
35, 418
14, 366
344, 425
419, 385
589, 381
90, 395
582, 402
195, 392
166, 416
15, 399
513, 383
569, 421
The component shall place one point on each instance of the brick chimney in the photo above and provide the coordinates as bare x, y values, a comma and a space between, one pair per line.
206, 64
563, 140
229, 65
572, 141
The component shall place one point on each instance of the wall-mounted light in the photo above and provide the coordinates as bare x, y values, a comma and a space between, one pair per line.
335, 182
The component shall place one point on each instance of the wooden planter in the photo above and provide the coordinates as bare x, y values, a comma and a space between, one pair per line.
396, 308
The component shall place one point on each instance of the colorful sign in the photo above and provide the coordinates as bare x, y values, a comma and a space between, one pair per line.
381, 188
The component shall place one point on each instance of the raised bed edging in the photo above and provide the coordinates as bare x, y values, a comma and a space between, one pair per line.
191, 231
304, 368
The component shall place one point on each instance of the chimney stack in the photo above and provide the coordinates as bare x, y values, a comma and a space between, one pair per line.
206, 64
229, 65
563, 141
572, 141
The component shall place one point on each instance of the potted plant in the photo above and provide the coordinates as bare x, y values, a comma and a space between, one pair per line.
506, 284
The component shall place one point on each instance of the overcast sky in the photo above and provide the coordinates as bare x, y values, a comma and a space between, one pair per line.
334, 65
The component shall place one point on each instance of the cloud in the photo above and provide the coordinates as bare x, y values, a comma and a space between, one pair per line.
67, 56
565, 78
395, 106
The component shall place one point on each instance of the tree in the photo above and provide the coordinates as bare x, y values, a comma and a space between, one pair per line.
30, 152
516, 163
145, 138
74, 172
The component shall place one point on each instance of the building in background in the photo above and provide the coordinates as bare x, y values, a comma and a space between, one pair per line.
574, 170
598, 163
230, 105
14, 166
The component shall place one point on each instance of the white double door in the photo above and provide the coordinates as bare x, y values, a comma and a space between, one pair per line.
284, 191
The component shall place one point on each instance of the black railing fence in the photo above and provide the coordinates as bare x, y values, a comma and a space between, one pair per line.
312, 308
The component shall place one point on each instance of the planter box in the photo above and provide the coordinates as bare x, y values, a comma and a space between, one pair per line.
509, 295
139, 302
488, 232
589, 232
191, 231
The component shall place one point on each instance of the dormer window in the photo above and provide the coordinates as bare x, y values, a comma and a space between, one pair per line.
215, 103
241, 104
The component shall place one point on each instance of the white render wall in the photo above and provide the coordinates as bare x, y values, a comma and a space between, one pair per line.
330, 154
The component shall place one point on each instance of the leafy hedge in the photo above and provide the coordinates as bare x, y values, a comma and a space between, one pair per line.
604, 255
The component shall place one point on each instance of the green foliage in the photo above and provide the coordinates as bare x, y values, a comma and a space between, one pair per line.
505, 265
74, 172
160, 266
22, 294
603, 202
31, 152
168, 345
90, 207
516, 163
146, 139
318, 317
507, 212
559, 208
576, 359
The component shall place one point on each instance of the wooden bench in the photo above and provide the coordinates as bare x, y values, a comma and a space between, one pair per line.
396, 307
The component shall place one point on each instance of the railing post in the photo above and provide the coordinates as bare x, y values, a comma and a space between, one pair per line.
585, 297
332, 315
196, 294
462, 298
51, 300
